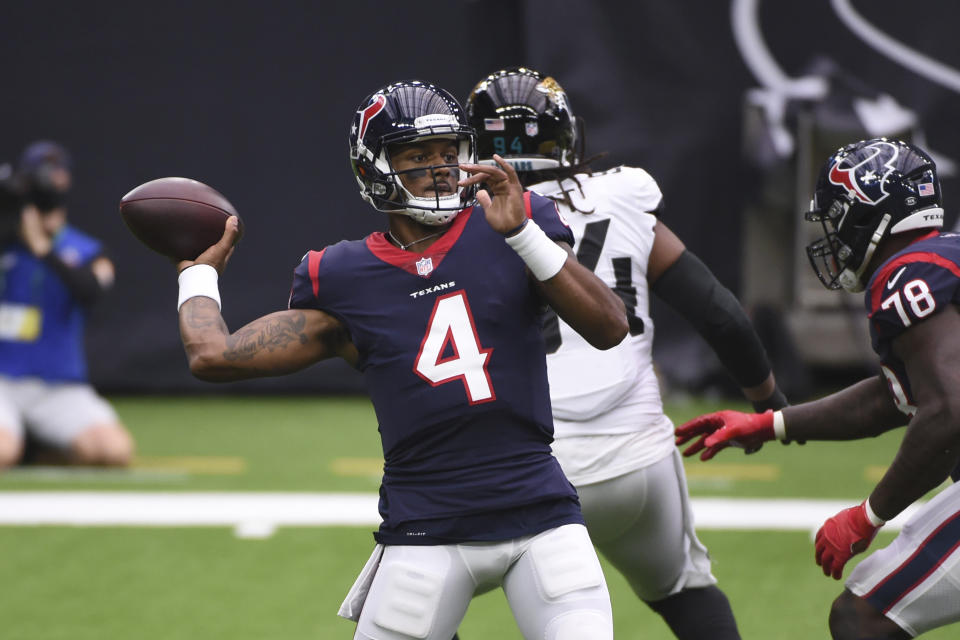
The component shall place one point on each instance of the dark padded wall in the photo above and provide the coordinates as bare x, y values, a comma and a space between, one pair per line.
256, 98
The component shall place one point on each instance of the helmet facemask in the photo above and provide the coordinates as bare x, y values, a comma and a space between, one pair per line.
437, 209
841, 256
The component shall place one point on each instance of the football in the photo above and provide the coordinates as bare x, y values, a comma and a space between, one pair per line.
177, 217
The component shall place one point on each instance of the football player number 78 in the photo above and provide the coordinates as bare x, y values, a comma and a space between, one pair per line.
917, 293
451, 331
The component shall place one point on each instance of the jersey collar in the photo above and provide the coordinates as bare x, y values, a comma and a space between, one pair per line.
382, 248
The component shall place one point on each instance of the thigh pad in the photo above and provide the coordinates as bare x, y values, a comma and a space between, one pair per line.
564, 561
410, 598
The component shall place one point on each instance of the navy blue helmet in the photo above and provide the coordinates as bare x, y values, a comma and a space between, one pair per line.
404, 112
525, 118
865, 192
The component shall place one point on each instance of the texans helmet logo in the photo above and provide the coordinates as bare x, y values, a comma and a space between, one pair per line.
375, 107
861, 180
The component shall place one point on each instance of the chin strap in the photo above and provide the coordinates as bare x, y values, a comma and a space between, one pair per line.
852, 280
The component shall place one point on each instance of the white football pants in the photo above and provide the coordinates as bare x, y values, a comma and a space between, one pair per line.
552, 581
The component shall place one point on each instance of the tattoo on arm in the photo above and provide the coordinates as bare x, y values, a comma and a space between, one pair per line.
266, 334
203, 313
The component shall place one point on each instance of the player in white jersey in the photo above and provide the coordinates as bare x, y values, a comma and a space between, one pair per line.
612, 437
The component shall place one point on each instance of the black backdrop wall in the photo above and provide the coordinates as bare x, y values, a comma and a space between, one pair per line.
255, 99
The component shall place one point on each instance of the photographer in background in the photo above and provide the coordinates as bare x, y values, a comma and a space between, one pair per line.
50, 274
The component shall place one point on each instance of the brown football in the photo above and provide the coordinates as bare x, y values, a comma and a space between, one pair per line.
177, 217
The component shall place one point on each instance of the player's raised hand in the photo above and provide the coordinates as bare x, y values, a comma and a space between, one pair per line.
218, 254
717, 431
505, 211
843, 536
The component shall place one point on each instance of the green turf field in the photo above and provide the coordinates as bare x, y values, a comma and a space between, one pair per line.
204, 582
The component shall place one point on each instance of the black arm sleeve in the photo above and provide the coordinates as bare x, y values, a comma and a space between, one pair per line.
80, 281
690, 288
775, 401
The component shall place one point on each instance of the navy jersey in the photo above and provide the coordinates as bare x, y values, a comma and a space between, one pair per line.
450, 347
41, 324
909, 287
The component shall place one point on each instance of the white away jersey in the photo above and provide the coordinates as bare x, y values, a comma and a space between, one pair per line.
613, 392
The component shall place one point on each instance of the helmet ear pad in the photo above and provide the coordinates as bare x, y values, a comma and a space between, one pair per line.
373, 183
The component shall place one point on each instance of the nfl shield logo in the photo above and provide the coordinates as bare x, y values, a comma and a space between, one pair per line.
531, 128
424, 266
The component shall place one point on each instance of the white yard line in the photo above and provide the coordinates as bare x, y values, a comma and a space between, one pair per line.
115, 508
258, 514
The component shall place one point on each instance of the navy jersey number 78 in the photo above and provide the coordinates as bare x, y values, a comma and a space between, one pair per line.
912, 285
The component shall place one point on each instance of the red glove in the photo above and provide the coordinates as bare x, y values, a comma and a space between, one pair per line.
722, 429
843, 536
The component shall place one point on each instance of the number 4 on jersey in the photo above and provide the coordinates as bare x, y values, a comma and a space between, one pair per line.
451, 329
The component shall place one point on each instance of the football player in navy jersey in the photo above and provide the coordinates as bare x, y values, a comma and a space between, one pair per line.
441, 313
612, 437
879, 203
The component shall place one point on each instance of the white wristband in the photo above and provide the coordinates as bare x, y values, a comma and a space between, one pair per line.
198, 280
779, 429
871, 516
543, 256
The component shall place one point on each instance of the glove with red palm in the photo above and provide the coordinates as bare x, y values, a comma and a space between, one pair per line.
843, 536
717, 431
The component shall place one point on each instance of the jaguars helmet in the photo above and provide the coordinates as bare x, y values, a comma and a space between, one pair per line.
867, 191
525, 118
405, 112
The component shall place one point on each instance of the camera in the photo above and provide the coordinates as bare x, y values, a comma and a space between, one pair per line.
41, 189
44, 175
